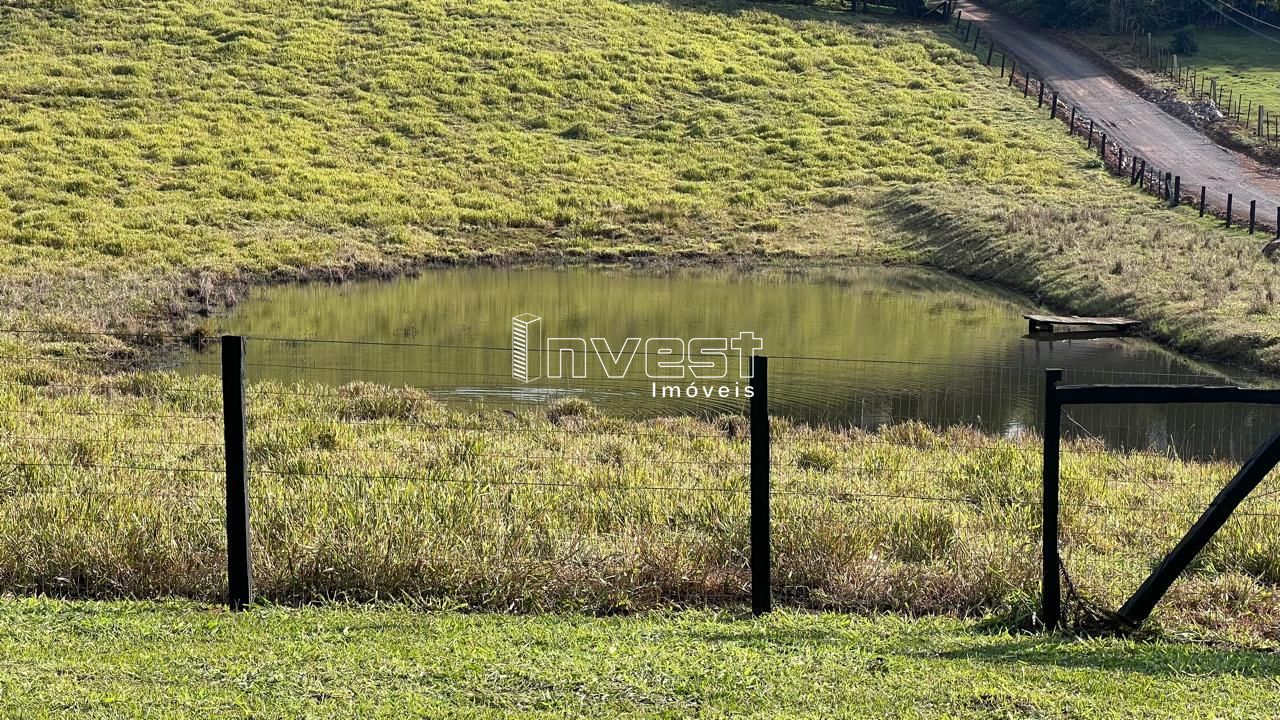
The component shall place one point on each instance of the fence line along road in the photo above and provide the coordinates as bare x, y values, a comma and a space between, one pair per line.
1134, 123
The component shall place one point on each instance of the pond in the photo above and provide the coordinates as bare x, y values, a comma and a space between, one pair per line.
861, 346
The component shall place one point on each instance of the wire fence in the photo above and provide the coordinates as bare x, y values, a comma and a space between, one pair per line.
426, 472
1164, 183
1122, 513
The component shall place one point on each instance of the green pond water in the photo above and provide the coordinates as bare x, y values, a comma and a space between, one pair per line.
862, 346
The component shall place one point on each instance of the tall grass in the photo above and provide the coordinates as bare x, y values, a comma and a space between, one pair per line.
366, 492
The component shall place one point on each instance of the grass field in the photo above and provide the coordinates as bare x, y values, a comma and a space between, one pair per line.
365, 493
158, 157
100, 660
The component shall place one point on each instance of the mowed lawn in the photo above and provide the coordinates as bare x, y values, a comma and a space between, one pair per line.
181, 660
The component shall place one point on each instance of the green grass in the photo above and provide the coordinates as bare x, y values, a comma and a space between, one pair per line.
182, 660
1248, 64
368, 493
159, 158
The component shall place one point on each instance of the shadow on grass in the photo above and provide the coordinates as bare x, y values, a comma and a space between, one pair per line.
1154, 658
823, 10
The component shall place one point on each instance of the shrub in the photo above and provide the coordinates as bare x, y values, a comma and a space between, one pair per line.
1184, 41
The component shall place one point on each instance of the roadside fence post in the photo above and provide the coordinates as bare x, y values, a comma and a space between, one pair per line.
1176, 199
1051, 579
1071, 127
1040, 100
761, 569
1230, 200
235, 441
1053, 108
1202, 193
1103, 147
991, 51
1253, 215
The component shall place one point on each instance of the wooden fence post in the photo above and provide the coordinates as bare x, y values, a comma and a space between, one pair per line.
1202, 194
1040, 100
1230, 199
1051, 578
235, 441
1090, 133
761, 571
1177, 191
1253, 215
1053, 107
1071, 127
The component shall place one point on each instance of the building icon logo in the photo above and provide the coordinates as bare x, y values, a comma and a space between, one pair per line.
526, 338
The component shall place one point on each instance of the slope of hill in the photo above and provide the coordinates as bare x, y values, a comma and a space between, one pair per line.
157, 156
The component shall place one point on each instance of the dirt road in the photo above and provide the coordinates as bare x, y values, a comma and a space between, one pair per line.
1138, 125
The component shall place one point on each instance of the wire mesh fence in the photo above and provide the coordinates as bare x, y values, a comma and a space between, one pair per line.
109, 486
416, 471
1124, 509
486, 489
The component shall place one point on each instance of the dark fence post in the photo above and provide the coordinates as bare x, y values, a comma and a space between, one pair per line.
1051, 579
1253, 215
235, 439
1053, 108
990, 52
1202, 192
1071, 127
1103, 147
1040, 99
1013, 68
1177, 191
761, 569
1230, 200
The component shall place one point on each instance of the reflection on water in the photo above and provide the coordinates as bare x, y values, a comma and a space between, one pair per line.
899, 344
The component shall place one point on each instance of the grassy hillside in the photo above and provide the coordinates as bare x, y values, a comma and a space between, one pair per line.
188, 661
158, 155
270, 137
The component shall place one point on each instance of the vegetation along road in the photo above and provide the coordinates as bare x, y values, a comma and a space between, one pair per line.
1138, 125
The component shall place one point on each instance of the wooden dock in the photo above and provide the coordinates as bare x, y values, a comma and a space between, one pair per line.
1047, 323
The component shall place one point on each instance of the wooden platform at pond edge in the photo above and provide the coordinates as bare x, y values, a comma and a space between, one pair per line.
1046, 323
